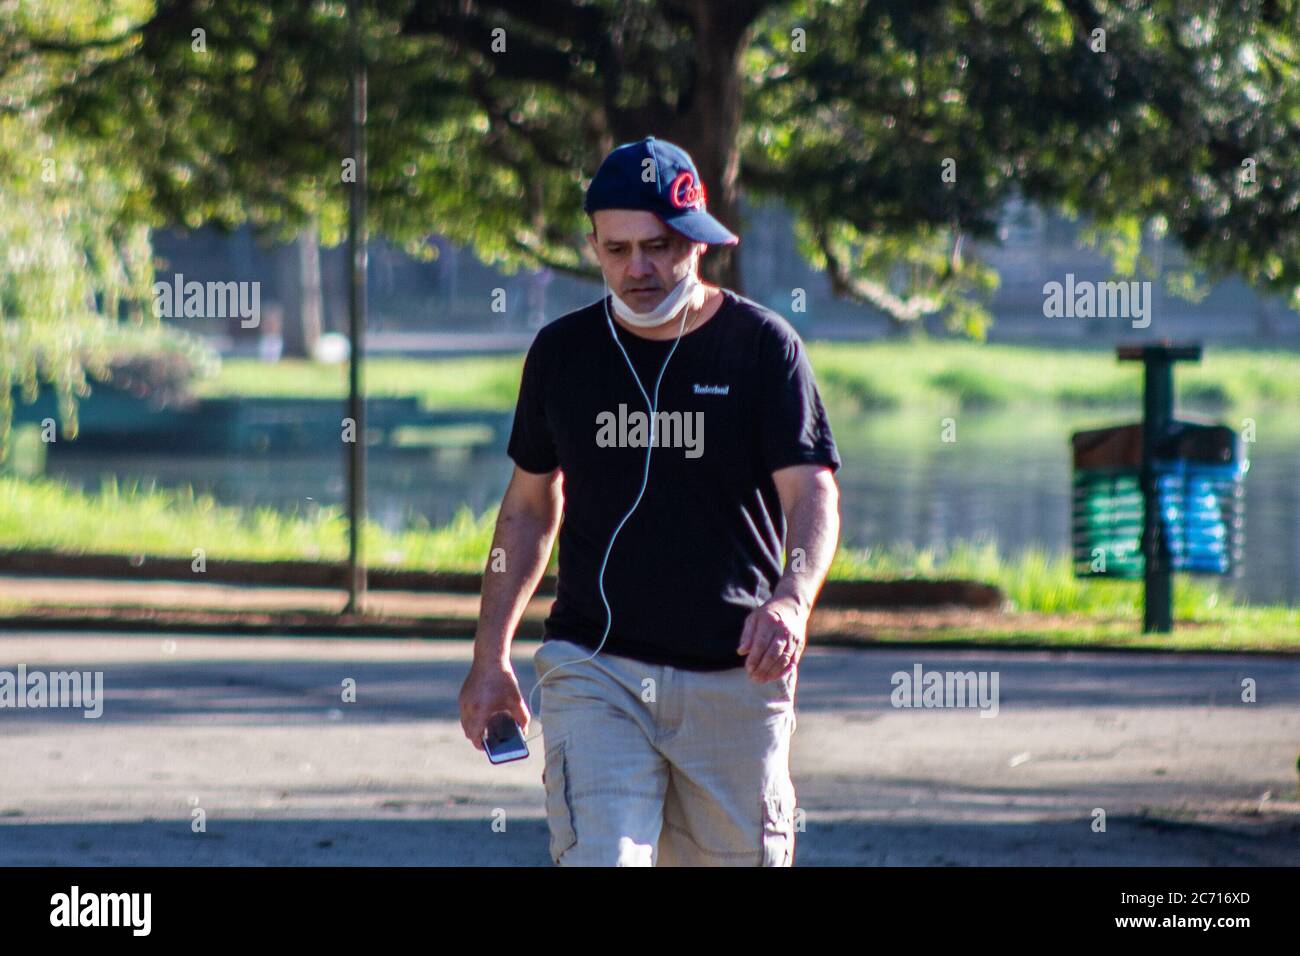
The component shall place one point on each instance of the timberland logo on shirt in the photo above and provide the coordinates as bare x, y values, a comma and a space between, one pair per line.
699, 389
632, 430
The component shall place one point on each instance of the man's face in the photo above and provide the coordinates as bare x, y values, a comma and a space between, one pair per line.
642, 259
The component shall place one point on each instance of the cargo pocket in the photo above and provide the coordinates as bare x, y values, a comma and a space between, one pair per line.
778, 824
559, 814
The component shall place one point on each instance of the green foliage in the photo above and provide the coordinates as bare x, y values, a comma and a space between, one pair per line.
860, 376
439, 383
140, 519
1153, 135
863, 391
1035, 580
1185, 125
975, 389
949, 375
238, 112
134, 519
76, 270
906, 275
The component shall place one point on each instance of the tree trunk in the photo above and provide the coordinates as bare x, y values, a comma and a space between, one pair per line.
710, 128
716, 116
302, 327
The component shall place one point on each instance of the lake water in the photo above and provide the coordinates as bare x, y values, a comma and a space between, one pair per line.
1006, 478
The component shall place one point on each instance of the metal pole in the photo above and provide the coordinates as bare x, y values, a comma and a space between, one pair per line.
1157, 412
357, 320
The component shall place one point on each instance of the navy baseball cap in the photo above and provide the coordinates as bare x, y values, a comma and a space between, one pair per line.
659, 177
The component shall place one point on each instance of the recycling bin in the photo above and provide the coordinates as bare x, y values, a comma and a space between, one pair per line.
1106, 502
1198, 469
1200, 472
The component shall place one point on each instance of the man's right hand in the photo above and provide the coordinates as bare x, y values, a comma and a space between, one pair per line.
490, 688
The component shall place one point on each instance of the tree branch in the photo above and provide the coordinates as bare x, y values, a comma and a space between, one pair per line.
541, 257
871, 293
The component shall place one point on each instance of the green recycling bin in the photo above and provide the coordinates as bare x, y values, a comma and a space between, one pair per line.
1106, 502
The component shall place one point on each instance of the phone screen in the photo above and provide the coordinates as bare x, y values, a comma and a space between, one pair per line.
503, 740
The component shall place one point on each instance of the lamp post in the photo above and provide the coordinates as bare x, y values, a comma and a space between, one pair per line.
356, 318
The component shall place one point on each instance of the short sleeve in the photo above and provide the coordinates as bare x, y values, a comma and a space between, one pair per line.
531, 445
793, 425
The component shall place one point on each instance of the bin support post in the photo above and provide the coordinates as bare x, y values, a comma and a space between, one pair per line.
1157, 414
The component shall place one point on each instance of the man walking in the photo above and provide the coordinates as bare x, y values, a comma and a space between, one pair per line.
676, 428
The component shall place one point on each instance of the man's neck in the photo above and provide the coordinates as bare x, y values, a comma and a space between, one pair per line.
696, 316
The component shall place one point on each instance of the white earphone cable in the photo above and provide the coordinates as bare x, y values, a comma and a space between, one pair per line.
645, 477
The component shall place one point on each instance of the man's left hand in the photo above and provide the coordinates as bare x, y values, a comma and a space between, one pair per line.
773, 638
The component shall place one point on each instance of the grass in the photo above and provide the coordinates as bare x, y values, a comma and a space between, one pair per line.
480, 383
42, 514
1034, 581
50, 515
1235, 629
131, 519
945, 375
953, 375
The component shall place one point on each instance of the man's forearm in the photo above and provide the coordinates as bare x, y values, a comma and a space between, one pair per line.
521, 546
812, 535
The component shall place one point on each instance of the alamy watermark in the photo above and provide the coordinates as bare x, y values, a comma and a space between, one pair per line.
77, 690
946, 689
1098, 300
208, 300
74, 908
632, 430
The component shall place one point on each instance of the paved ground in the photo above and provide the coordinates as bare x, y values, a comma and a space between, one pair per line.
253, 732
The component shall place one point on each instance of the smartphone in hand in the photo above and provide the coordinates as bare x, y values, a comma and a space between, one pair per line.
503, 740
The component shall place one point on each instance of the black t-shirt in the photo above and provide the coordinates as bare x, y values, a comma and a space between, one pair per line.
705, 545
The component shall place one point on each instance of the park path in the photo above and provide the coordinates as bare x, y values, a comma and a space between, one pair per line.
253, 732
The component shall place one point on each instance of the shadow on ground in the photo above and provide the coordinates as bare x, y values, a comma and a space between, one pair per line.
1129, 841
294, 690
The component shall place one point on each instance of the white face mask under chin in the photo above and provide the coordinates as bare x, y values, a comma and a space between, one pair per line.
683, 294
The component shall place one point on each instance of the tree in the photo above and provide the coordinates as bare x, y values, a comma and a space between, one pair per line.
75, 262
896, 130
1176, 118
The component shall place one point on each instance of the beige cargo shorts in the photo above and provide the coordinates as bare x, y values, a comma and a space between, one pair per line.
650, 765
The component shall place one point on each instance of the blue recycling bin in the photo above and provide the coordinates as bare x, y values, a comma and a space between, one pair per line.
1202, 515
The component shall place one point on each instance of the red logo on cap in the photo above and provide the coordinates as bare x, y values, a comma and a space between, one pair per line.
686, 193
